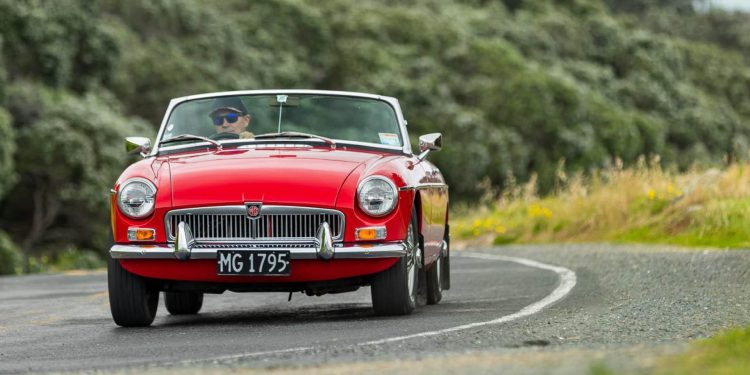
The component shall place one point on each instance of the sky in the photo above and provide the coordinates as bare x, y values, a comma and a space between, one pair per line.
733, 4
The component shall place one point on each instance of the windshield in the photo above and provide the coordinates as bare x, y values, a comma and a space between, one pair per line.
244, 117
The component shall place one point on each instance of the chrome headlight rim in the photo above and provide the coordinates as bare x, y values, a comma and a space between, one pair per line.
362, 185
122, 188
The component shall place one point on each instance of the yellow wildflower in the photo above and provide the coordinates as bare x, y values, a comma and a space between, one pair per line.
546, 212
536, 210
487, 223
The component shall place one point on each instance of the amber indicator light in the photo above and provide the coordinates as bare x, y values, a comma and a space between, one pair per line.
141, 234
367, 234
372, 233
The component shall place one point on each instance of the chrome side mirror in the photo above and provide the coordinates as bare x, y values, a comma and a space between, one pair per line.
139, 145
429, 142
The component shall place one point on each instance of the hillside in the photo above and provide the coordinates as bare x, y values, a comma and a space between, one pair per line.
516, 87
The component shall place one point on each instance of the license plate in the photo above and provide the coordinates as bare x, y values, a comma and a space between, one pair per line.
270, 263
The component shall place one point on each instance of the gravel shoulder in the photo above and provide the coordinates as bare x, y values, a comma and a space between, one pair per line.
630, 305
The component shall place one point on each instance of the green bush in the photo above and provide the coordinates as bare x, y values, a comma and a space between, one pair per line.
71, 157
7, 150
10, 256
518, 88
72, 259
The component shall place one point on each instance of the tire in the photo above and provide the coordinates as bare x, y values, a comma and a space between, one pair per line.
132, 299
183, 303
394, 291
446, 274
434, 282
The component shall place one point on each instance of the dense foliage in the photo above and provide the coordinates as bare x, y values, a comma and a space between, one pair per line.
515, 86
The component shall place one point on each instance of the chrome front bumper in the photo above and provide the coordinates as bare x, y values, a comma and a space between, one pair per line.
323, 247
392, 250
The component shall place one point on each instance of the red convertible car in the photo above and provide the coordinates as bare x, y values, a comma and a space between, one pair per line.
288, 190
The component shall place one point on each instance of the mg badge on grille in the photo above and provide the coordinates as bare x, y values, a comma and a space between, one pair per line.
253, 210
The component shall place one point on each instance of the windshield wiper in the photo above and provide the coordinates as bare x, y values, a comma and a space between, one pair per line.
297, 135
183, 137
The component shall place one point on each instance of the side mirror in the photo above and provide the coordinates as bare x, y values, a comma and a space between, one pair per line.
429, 142
139, 145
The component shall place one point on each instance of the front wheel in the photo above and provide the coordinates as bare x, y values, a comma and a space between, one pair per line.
394, 291
132, 299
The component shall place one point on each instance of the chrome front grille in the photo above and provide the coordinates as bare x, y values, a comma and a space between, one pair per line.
231, 224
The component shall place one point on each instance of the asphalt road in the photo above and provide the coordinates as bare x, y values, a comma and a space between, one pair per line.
517, 317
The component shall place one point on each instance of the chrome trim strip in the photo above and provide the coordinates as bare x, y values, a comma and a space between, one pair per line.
390, 250
422, 186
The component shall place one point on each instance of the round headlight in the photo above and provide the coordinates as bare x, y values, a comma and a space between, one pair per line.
377, 196
136, 198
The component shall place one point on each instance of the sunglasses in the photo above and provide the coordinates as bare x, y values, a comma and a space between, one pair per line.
230, 117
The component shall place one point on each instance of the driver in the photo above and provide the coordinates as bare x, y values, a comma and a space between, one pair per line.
230, 117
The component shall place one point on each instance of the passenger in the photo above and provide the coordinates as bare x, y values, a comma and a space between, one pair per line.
231, 119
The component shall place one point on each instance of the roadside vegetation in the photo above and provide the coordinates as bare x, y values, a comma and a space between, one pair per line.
514, 86
725, 354
644, 204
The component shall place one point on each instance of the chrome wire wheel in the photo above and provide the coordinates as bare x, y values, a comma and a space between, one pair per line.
395, 290
434, 280
413, 259
439, 271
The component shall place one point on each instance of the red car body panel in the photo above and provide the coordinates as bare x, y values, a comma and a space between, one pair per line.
303, 177
312, 176
204, 270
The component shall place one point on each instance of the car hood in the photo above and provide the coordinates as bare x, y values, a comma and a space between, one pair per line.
306, 177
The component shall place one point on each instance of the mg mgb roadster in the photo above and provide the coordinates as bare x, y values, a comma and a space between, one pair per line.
278, 191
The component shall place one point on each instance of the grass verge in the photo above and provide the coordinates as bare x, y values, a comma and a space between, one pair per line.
723, 354
727, 353
645, 204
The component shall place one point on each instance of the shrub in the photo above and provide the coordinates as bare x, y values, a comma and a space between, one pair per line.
10, 256
71, 258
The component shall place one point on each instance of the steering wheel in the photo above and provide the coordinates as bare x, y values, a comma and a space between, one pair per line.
220, 136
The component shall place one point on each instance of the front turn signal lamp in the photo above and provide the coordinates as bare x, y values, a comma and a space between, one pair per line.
370, 233
141, 234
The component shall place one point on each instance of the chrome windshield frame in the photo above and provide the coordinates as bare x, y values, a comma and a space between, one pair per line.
392, 102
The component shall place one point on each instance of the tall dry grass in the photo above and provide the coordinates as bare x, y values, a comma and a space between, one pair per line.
641, 204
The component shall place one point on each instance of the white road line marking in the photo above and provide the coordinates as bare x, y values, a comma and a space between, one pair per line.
567, 282
238, 356
465, 272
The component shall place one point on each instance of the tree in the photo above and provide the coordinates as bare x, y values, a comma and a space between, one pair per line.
7, 149
71, 155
